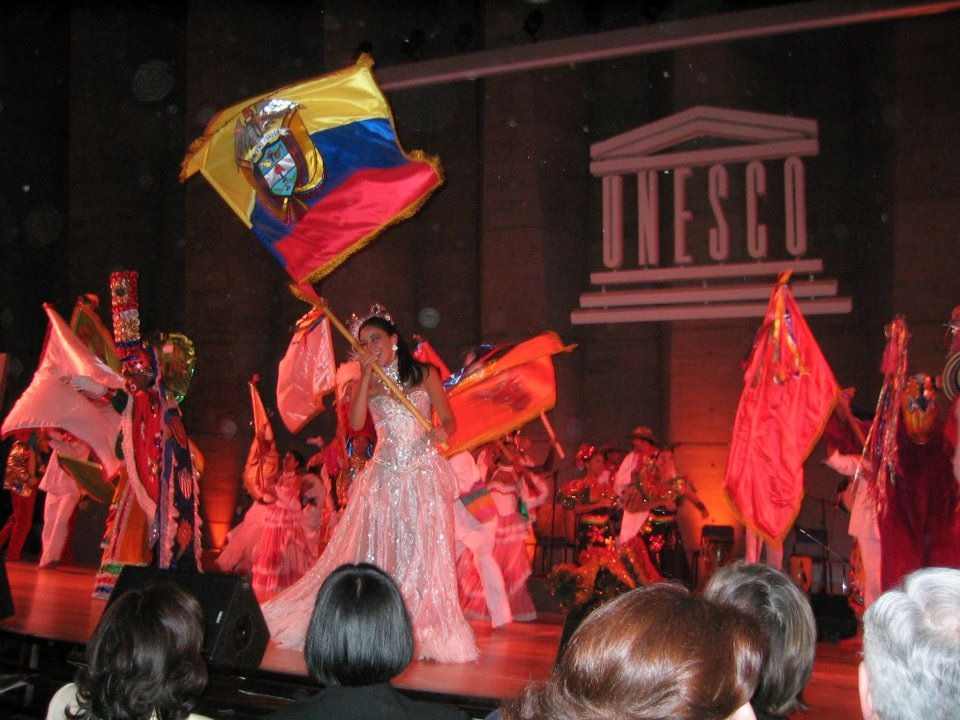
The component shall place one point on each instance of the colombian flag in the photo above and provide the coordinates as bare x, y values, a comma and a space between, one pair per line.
314, 169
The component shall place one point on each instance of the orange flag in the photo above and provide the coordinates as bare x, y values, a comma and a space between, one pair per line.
505, 393
263, 460
789, 393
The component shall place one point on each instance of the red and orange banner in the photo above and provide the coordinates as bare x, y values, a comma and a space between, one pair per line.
789, 393
503, 394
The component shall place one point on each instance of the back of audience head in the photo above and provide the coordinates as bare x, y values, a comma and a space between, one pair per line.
785, 614
911, 649
144, 659
360, 631
652, 653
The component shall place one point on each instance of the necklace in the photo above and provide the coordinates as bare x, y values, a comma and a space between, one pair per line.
392, 370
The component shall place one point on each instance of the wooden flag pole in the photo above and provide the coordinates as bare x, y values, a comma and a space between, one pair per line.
391, 385
552, 435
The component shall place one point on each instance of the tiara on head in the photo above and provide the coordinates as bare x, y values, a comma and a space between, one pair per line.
376, 311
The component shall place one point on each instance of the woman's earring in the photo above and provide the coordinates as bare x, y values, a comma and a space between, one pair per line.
394, 348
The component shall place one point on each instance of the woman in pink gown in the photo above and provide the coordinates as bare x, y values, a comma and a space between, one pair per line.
399, 512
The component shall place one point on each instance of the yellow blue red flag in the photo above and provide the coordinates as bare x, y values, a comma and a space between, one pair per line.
314, 169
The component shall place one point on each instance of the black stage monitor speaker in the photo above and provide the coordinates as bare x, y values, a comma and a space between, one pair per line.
235, 633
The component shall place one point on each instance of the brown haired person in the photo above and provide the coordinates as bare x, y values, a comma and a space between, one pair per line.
650, 654
143, 662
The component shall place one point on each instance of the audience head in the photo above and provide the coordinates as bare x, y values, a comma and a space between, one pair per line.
911, 649
785, 615
652, 653
144, 658
360, 632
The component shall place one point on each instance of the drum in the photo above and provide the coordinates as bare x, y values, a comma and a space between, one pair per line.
801, 571
716, 550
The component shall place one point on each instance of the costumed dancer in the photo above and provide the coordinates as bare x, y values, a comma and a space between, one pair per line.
26, 464
592, 499
918, 522
63, 495
345, 455
284, 554
154, 516
652, 492
259, 477
845, 436
907, 465
399, 515
316, 497
475, 528
514, 489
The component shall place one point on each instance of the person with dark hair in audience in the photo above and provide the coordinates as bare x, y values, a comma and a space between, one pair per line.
143, 661
652, 653
911, 649
360, 637
785, 614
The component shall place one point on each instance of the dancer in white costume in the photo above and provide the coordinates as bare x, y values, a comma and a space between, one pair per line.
399, 511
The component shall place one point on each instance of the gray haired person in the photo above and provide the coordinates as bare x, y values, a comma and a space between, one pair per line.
911, 649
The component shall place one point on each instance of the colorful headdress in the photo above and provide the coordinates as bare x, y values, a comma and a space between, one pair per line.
125, 305
376, 311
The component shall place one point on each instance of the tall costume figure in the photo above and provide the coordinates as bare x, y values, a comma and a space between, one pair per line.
918, 516
399, 512
154, 517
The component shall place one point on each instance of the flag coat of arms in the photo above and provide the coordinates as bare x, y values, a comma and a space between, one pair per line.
314, 169
789, 393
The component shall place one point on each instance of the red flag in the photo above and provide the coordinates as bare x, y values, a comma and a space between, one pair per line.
505, 393
789, 393
425, 353
263, 460
51, 400
307, 371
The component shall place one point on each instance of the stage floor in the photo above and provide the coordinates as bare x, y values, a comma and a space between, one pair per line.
56, 605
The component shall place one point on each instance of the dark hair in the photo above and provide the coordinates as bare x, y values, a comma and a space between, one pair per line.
360, 632
144, 658
651, 653
411, 372
786, 616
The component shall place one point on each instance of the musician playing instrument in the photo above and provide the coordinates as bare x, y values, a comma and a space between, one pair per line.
651, 491
594, 504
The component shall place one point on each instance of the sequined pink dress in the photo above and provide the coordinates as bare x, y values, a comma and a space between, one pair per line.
399, 516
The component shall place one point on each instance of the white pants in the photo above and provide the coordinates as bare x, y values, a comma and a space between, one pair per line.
480, 538
57, 511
